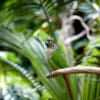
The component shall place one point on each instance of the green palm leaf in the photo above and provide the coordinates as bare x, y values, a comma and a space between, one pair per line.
36, 53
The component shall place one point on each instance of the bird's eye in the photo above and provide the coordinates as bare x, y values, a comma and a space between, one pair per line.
49, 43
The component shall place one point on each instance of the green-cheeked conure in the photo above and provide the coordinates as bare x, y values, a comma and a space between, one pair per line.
57, 60
55, 55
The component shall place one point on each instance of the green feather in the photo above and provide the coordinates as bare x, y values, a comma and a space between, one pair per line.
58, 60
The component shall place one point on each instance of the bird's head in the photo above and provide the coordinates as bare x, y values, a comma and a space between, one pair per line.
51, 46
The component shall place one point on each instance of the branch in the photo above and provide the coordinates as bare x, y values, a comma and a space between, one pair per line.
76, 37
86, 31
72, 70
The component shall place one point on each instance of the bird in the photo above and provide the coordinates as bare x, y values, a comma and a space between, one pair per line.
57, 60
55, 55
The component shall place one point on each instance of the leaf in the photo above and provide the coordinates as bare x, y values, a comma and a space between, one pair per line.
36, 53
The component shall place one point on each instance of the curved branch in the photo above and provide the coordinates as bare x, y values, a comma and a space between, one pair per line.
72, 70
86, 27
85, 32
76, 37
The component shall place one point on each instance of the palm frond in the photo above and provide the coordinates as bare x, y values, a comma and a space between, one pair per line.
92, 58
24, 73
35, 51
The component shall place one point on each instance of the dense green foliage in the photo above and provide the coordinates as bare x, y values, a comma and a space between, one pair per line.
25, 25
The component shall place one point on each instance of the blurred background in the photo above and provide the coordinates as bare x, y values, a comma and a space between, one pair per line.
40, 36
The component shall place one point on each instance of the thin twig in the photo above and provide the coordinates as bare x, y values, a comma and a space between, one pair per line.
72, 70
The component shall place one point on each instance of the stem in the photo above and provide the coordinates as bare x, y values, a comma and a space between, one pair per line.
66, 78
